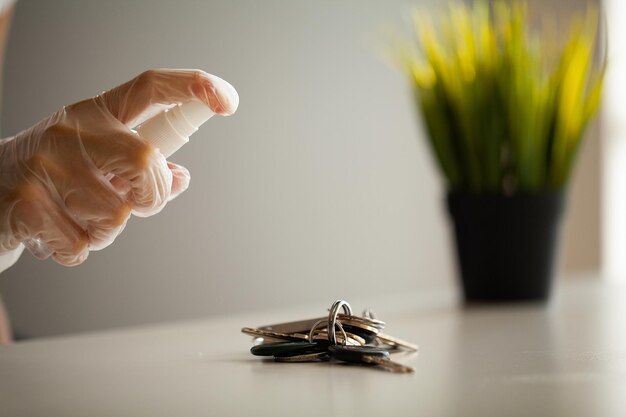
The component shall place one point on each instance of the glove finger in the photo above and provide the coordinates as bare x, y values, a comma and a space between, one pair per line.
38, 216
121, 186
102, 234
144, 172
151, 92
151, 185
99, 209
8, 241
135, 164
180, 179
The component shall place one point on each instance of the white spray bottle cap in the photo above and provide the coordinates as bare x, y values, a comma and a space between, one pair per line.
170, 130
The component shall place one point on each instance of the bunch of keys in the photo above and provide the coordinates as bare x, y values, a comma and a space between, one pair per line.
360, 340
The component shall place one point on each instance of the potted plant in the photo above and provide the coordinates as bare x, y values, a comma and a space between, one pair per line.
505, 112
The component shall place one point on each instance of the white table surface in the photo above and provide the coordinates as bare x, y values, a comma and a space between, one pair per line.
567, 358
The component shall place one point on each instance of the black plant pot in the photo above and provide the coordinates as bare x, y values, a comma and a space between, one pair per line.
506, 245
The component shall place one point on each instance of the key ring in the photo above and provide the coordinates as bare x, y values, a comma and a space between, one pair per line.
332, 318
323, 321
369, 314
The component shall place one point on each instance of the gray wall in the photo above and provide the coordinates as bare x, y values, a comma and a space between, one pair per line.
320, 187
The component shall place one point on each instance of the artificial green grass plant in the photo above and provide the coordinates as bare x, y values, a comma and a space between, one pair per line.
505, 112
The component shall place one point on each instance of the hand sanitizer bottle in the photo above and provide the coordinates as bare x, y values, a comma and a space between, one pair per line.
170, 130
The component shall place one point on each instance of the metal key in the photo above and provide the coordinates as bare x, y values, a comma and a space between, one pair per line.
303, 326
267, 334
318, 336
352, 339
388, 365
396, 343
367, 355
368, 333
361, 326
378, 324
299, 326
393, 342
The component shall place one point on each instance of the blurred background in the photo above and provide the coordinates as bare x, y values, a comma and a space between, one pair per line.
320, 187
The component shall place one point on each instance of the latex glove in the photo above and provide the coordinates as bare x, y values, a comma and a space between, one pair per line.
69, 184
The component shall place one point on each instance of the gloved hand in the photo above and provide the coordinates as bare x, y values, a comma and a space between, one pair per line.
69, 183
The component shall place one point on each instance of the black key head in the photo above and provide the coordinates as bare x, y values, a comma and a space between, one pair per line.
367, 335
355, 354
283, 348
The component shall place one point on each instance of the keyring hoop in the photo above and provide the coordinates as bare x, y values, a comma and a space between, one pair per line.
324, 321
332, 319
369, 313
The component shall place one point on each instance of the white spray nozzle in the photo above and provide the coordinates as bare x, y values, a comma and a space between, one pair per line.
170, 130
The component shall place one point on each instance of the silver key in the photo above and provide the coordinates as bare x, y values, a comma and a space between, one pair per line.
388, 365
396, 343
299, 326
352, 339
270, 335
267, 335
378, 324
